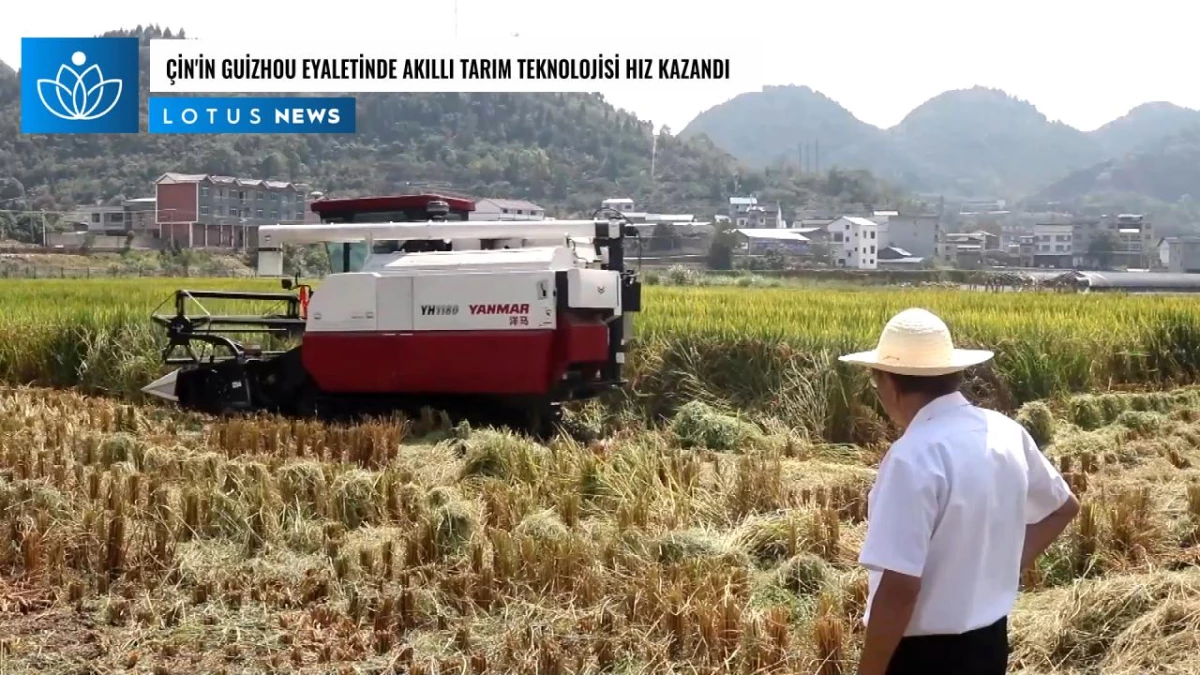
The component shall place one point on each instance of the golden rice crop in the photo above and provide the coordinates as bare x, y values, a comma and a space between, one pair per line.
138, 539
756, 349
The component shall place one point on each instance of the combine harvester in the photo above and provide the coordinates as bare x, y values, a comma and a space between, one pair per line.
496, 321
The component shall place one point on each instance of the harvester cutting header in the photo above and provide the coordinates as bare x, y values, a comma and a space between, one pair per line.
499, 320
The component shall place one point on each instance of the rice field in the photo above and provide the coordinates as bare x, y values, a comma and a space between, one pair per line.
667, 533
764, 351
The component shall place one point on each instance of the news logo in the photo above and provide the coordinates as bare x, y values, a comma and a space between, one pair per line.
252, 115
79, 85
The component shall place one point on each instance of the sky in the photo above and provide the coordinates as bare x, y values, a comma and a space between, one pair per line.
1079, 62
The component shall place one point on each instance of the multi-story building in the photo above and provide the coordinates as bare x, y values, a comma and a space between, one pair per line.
739, 210
854, 242
758, 217
1131, 237
1053, 245
918, 234
1026, 247
208, 211
1181, 254
966, 248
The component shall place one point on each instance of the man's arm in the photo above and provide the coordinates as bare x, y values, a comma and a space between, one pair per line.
1050, 507
891, 610
1041, 534
905, 504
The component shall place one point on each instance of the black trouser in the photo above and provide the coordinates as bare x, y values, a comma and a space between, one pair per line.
983, 651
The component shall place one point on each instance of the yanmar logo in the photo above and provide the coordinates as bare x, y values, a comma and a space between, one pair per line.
500, 309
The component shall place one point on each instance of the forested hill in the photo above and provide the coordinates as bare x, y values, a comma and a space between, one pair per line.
566, 151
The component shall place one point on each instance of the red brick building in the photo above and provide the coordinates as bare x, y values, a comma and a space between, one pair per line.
207, 211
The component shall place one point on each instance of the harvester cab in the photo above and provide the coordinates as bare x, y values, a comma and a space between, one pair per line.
500, 321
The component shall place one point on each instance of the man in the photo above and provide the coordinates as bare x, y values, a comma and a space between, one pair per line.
963, 503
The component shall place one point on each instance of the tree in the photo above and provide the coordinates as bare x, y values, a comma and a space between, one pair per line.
1101, 248
821, 252
720, 251
665, 238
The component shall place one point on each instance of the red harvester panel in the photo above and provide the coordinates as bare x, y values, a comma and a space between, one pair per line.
451, 362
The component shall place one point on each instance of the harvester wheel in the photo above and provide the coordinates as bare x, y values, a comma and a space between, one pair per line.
306, 401
543, 420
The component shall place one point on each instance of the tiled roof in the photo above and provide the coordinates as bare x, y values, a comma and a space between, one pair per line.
171, 177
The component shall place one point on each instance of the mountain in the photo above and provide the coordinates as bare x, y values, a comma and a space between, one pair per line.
566, 151
969, 142
1144, 125
786, 118
985, 142
1166, 171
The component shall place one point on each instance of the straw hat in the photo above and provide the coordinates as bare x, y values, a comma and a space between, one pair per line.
917, 342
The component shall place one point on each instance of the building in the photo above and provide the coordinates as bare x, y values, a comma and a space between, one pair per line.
811, 223
507, 209
981, 205
765, 240
1131, 237
1025, 248
1135, 240
813, 233
966, 249
132, 216
854, 243
622, 204
109, 228
891, 257
758, 217
1053, 245
141, 215
97, 220
1180, 254
739, 210
917, 233
209, 211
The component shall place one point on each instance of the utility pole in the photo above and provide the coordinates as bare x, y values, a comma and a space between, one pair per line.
817, 155
45, 242
653, 159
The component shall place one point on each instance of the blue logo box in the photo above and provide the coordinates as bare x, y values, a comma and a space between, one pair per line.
79, 85
252, 115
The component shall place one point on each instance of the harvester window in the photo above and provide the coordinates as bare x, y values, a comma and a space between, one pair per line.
351, 257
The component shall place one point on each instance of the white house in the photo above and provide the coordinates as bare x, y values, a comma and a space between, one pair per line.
739, 209
507, 209
622, 204
1181, 254
854, 243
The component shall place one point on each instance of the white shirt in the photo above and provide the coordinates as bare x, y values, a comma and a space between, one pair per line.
949, 505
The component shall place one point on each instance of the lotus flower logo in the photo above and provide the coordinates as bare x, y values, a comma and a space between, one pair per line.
79, 96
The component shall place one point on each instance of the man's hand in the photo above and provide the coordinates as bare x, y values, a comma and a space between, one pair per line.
891, 610
1041, 534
